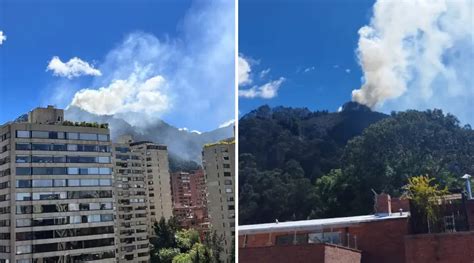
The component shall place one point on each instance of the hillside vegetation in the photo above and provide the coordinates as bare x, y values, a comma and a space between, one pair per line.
297, 164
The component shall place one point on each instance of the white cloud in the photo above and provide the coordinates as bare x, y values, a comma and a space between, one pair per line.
227, 123
183, 129
335, 66
196, 131
244, 71
130, 95
2, 37
348, 70
424, 60
266, 91
306, 70
264, 73
197, 63
75, 67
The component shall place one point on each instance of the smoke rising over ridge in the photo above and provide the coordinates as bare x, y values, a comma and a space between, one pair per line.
418, 54
186, 78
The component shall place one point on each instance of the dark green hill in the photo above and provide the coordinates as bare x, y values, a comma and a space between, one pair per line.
297, 164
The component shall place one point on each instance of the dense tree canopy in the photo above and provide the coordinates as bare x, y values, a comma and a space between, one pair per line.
298, 164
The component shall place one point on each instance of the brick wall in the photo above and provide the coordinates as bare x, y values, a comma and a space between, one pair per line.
470, 213
382, 241
440, 248
309, 253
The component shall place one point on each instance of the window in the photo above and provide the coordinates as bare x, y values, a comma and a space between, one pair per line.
228, 182
88, 136
22, 159
72, 147
23, 196
106, 218
103, 148
227, 174
93, 218
49, 170
291, 239
89, 182
40, 147
105, 182
72, 170
328, 237
73, 207
41, 159
226, 165
23, 222
60, 183
24, 209
105, 171
59, 147
40, 134
103, 137
103, 159
23, 249
23, 171
73, 182
42, 183
23, 146
228, 190
23, 183
59, 159
73, 136
23, 134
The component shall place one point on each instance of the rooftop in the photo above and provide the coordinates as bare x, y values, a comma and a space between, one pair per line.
317, 224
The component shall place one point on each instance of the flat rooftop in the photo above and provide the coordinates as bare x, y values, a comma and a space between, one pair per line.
317, 224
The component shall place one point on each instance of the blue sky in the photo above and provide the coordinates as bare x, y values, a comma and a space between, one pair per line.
320, 54
162, 59
290, 37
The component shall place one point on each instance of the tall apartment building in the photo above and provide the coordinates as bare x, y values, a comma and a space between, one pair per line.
131, 200
219, 166
155, 165
189, 199
189, 188
56, 193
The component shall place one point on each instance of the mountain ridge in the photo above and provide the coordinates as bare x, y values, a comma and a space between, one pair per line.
184, 144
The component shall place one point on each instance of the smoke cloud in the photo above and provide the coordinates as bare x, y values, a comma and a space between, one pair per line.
186, 79
418, 54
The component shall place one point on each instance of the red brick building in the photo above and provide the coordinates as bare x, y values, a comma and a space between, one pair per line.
391, 235
189, 199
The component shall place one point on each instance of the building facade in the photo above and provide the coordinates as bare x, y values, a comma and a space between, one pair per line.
155, 165
394, 234
219, 166
132, 219
56, 192
189, 200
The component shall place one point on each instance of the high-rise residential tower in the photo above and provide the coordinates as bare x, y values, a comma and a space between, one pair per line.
219, 166
189, 199
155, 165
56, 200
132, 204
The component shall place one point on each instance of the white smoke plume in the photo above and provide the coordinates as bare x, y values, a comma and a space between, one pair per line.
188, 77
418, 54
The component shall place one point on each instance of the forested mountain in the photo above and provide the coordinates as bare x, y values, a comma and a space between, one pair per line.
298, 164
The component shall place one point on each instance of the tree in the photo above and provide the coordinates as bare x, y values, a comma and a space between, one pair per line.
175, 245
427, 198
